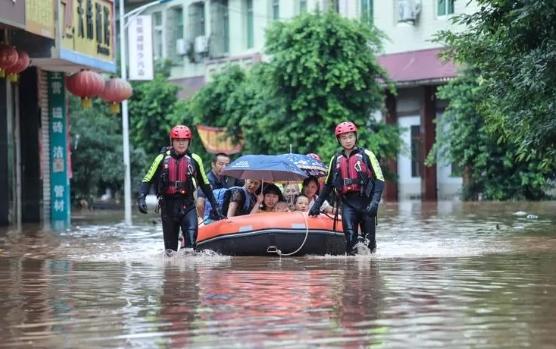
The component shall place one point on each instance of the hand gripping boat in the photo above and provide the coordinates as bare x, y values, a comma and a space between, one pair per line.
273, 233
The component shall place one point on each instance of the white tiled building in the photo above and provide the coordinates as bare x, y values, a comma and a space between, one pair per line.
201, 36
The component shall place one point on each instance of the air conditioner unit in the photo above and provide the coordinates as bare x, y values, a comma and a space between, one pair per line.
181, 47
201, 44
408, 10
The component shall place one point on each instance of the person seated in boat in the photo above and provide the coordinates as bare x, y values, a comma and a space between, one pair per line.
301, 203
267, 200
216, 180
291, 190
311, 188
242, 200
282, 206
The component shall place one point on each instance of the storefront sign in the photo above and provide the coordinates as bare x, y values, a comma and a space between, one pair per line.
39, 17
140, 48
59, 180
12, 12
88, 33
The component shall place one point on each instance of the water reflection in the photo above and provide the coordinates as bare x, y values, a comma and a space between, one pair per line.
466, 276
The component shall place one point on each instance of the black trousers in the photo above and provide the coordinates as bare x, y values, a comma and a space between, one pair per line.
355, 217
178, 213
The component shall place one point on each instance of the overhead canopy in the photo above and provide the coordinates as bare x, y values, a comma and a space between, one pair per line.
417, 67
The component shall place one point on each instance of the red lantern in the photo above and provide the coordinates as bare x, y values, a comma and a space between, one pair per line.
21, 64
8, 57
86, 84
115, 91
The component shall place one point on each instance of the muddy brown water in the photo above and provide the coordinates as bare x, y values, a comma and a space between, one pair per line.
451, 274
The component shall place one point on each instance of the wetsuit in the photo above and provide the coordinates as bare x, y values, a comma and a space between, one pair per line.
360, 189
175, 193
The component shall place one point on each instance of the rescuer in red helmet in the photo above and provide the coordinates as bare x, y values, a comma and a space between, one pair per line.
356, 175
173, 171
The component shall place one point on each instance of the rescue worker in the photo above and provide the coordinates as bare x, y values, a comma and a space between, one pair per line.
173, 172
356, 175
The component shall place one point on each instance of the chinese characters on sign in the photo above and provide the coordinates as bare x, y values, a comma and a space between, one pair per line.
59, 181
140, 48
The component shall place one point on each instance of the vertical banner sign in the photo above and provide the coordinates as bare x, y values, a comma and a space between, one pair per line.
140, 48
59, 181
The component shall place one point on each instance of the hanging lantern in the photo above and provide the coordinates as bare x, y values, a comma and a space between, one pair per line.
86, 84
8, 58
115, 91
21, 64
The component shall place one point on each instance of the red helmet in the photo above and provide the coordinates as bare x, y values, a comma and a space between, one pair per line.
180, 131
345, 127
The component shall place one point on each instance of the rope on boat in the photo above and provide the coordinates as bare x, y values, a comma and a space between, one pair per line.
273, 249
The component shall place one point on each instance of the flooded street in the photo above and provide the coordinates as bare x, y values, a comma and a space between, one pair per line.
445, 275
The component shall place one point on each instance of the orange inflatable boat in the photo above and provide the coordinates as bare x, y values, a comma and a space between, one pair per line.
273, 233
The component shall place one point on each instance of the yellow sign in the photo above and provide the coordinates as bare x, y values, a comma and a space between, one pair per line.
88, 28
39, 17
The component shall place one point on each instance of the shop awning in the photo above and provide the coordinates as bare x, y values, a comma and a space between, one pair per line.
417, 67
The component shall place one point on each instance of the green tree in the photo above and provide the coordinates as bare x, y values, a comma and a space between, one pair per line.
97, 159
492, 165
512, 46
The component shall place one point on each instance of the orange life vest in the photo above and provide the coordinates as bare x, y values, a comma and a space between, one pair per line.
353, 172
177, 173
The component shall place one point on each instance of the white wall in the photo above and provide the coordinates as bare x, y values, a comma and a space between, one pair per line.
404, 37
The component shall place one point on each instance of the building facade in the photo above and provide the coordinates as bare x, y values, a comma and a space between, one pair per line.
201, 36
60, 37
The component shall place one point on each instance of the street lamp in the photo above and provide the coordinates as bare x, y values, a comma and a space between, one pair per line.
125, 116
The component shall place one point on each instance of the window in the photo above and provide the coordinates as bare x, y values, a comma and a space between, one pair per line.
157, 37
445, 7
178, 20
366, 13
275, 9
250, 35
302, 6
220, 28
415, 151
197, 19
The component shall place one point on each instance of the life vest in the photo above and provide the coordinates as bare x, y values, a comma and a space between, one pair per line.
176, 174
353, 173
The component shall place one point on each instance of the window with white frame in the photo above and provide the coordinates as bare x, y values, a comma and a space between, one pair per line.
158, 38
444, 7
366, 11
249, 24
302, 6
220, 28
275, 9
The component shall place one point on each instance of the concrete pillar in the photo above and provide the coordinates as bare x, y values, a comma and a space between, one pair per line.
391, 117
428, 135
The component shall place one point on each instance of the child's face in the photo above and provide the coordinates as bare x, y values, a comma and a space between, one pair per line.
301, 204
291, 190
281, 207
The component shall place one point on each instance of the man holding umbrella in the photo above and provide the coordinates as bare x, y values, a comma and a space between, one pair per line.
356, 175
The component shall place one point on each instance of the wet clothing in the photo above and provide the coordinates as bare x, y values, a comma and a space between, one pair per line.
359, 182
175, 176
239, 195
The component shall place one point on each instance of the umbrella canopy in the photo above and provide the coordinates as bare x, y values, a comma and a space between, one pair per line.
311, 166
268, 168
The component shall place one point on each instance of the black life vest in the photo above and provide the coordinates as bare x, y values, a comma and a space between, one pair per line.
176, 174
353, 172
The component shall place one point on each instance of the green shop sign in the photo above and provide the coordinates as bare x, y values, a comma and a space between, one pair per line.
59, 181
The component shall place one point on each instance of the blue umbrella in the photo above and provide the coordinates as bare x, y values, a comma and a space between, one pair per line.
268, 168
311, 166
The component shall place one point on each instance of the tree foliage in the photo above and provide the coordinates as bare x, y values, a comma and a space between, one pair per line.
492, 165
97, 158
511, 44
322, 71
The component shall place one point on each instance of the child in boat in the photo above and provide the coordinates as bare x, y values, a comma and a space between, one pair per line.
301, 203
266, 202
282, 206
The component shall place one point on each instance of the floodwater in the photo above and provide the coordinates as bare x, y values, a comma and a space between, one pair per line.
445, 275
